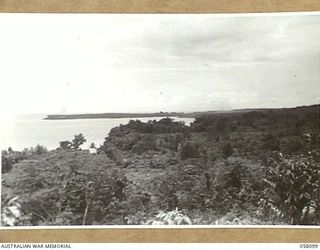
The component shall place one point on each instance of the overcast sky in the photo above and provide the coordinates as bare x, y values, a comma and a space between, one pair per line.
149, 63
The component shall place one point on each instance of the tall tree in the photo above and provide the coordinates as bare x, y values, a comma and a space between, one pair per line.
78, 141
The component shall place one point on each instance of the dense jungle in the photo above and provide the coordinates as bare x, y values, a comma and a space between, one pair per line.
249, 167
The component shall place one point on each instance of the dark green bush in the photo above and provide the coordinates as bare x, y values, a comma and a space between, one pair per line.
190, 150
293, 187
39, 150
227, 150
65, 145
271, 143
6, 164
292, 146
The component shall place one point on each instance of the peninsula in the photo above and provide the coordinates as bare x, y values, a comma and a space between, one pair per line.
112, 115
175, 114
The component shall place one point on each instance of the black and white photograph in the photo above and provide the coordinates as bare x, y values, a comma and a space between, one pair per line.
160, 120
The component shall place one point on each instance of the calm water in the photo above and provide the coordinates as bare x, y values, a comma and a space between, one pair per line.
29, 130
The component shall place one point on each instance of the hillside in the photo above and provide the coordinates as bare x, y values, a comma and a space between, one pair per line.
253, 167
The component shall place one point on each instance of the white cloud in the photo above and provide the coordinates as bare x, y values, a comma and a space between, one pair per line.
128, 63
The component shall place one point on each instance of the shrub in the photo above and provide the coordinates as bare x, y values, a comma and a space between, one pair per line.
190, 150
293, 186
292, 146
147, 142
227, 150
65, 144
235, 218
174, 217
10, 157
10, 212
6, 164
39, 150
271, 143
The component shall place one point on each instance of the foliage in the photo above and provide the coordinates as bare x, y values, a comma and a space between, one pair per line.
78, 141
147, 142
174, 217
139, 137
10, 157
293, 146
10, 211
235, 218
234, 188
227, 150
6, 164
165, 125
74, 144
39, 150
65, 145
294, 187
190, 150
59, 190
271, 143
225, 169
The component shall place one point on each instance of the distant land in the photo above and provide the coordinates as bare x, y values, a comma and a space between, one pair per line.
112, 115
169, 114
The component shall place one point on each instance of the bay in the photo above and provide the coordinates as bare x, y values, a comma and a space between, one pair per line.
27, 131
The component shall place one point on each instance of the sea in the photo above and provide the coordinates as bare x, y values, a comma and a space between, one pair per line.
25, 131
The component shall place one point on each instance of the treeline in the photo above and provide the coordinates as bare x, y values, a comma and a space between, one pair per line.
286, 131
10, 156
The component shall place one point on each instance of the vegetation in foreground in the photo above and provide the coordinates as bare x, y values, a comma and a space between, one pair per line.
260, 167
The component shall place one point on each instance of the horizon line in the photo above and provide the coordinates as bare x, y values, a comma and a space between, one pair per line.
178, 112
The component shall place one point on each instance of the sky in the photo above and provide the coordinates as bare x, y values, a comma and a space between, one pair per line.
93, 63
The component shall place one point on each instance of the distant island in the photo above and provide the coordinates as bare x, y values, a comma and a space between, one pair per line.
113, 115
